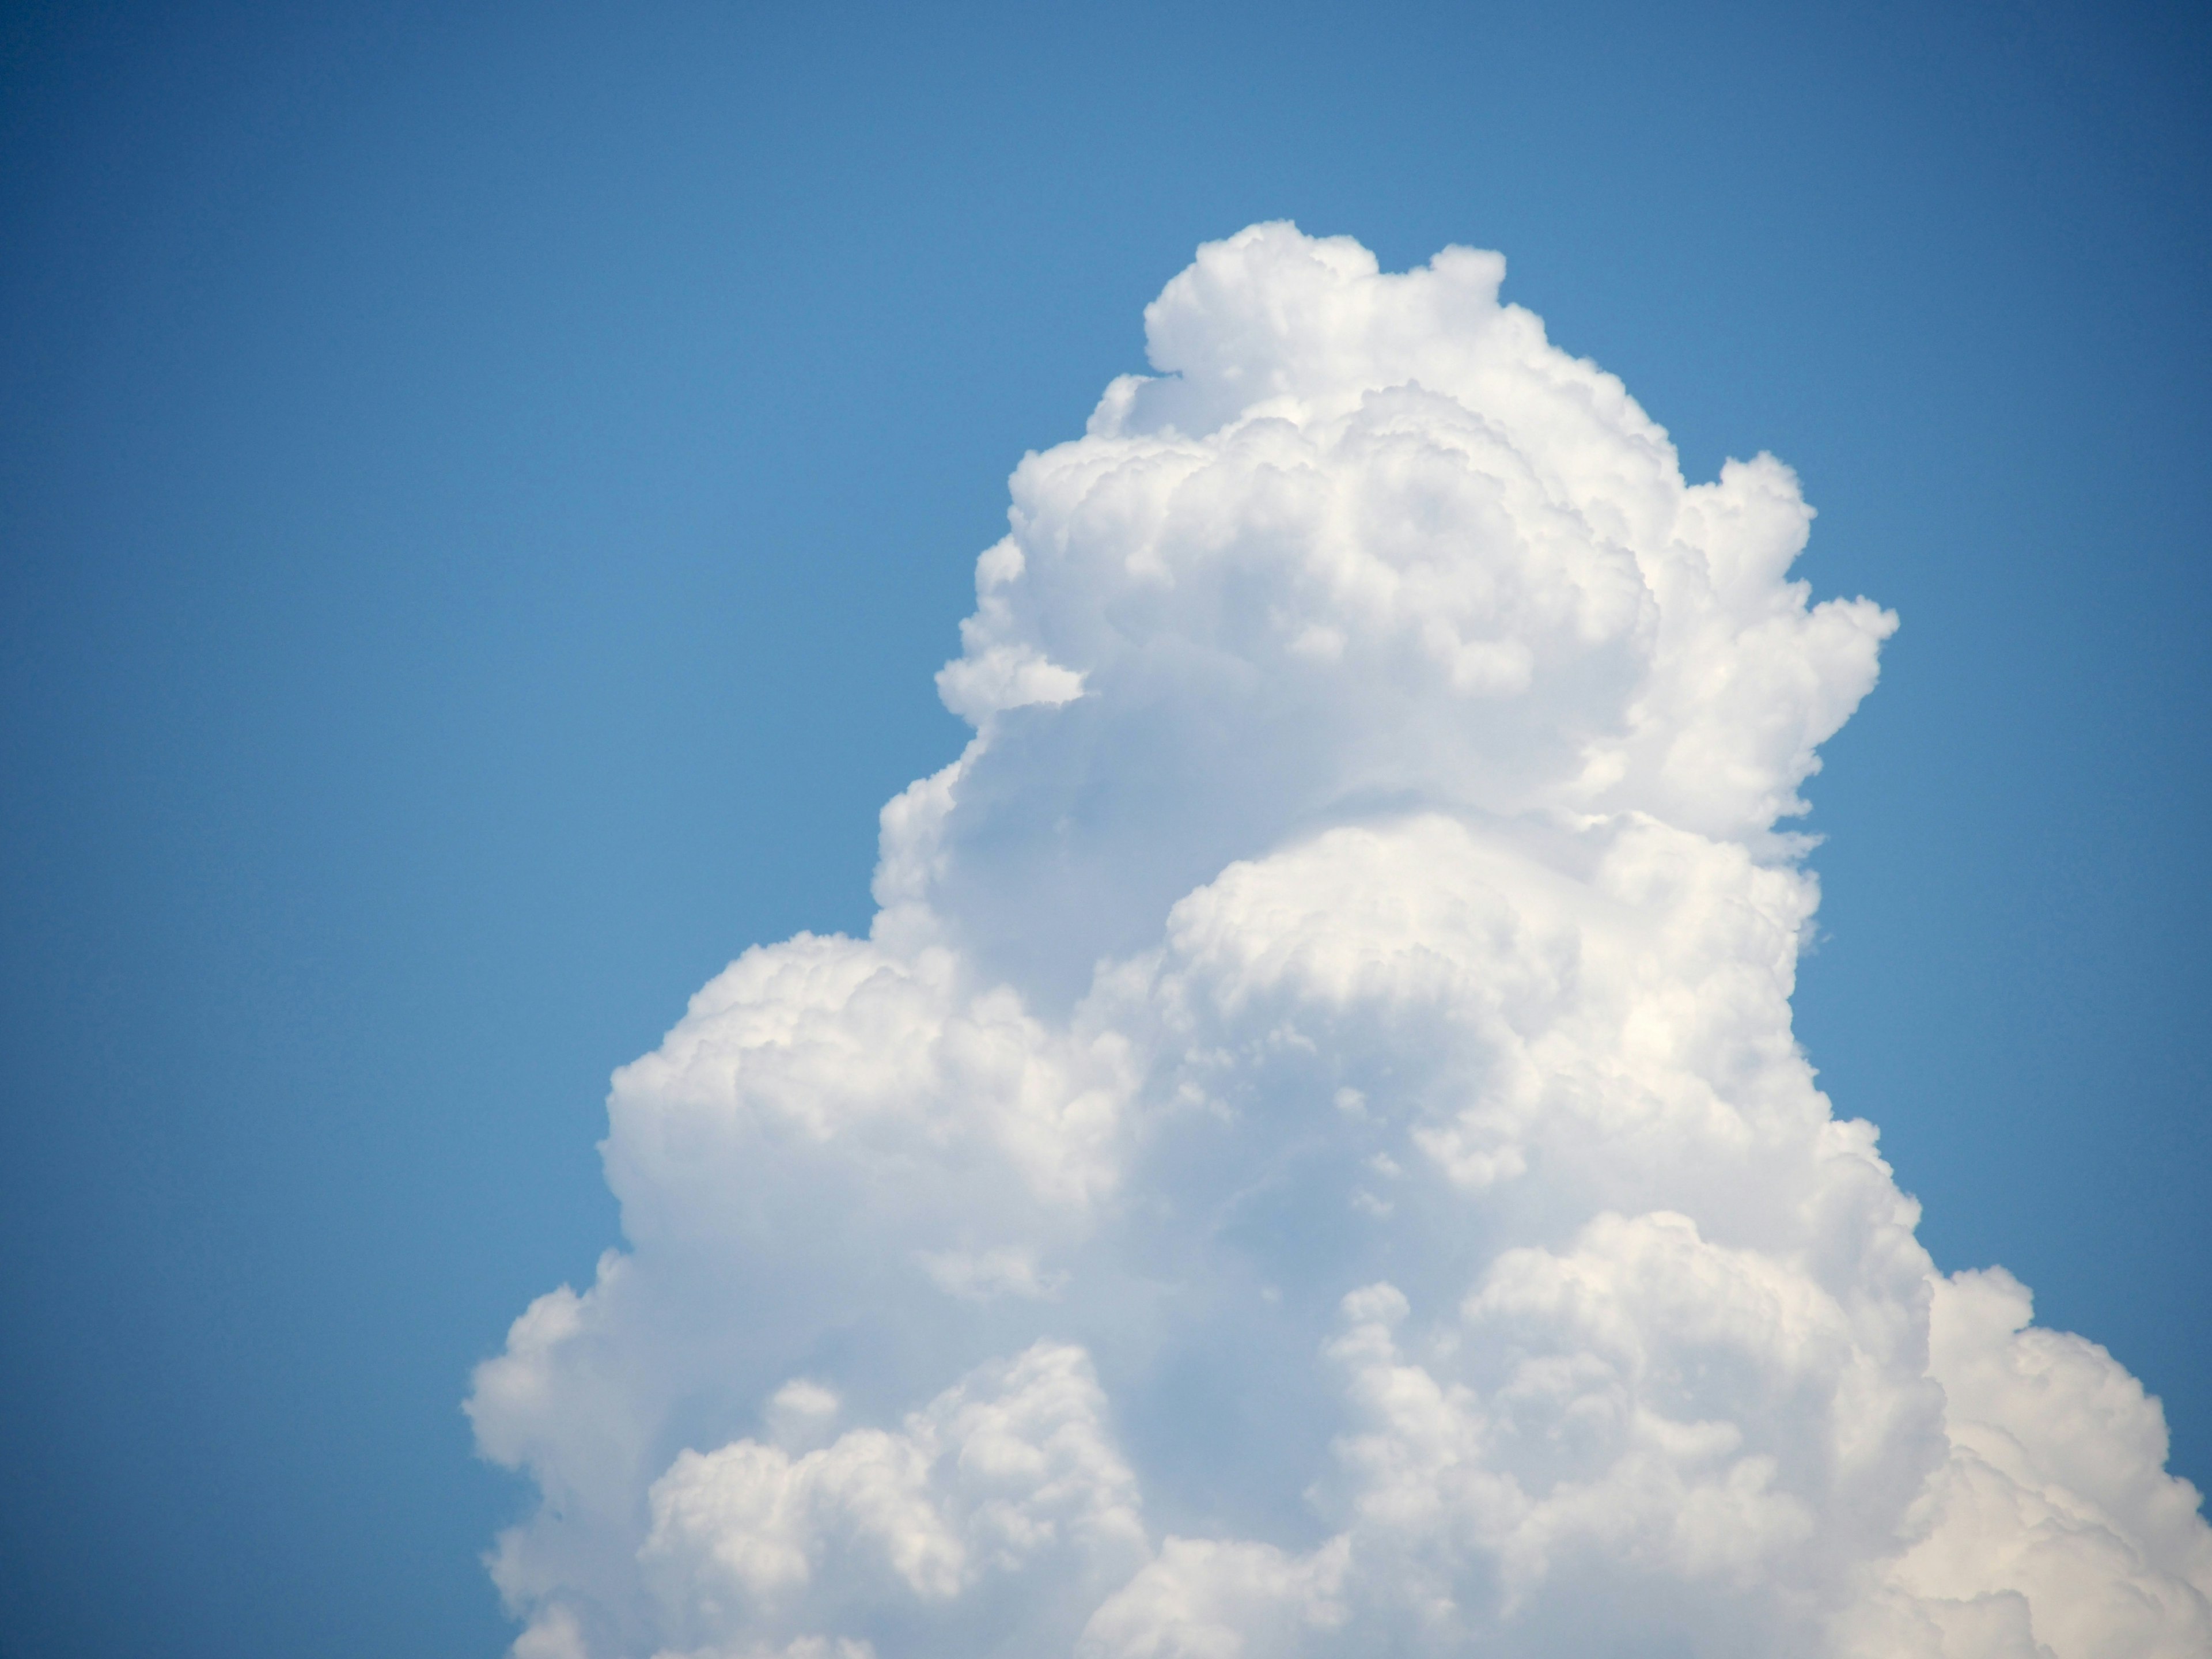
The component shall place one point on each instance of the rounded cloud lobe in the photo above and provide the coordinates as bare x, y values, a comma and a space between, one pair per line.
1311, 1160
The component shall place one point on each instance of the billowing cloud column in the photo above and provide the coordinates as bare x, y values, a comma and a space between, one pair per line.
1311, 1159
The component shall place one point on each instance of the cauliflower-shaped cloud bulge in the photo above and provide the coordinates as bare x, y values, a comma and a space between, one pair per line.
1311, 1161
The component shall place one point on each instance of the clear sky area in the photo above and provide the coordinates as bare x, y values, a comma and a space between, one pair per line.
484, 492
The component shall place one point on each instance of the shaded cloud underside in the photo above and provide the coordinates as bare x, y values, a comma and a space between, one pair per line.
1311, 1159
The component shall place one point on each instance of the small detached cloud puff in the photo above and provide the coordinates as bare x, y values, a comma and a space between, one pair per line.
1311, 1161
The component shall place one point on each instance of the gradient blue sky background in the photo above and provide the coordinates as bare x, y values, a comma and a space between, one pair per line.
482, 491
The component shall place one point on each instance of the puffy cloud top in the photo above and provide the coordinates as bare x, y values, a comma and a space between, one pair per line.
1311, 1159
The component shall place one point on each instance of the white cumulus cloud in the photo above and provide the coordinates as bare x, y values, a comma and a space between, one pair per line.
1311, 1161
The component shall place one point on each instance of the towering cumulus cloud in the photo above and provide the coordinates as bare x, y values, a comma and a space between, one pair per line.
1310, 1161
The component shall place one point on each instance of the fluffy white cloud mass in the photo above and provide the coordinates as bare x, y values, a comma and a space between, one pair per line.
1311, 1161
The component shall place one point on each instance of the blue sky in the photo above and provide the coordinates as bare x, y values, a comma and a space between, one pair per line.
483, 498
